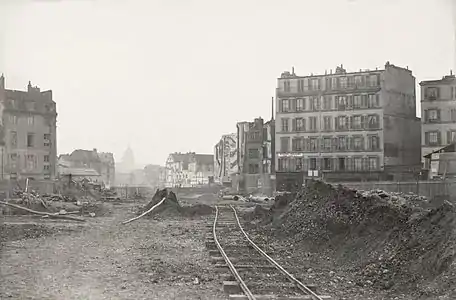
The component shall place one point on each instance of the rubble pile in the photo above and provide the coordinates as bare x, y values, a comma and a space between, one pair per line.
172, 207
390, 239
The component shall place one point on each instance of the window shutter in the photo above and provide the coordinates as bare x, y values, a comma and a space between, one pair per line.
426, 138
438, 114
439, 138
449, 141
377, 100
363, 122
349, 163
351, 143
364, 100
293, 124
334, 143
280, 105
336, 102
363, 146
350, 101
351, 123
426, 116
378, 80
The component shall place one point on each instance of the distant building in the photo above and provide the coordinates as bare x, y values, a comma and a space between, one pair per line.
349, 126
189, 169
155, 175
438, 117
27, 133
225, 159
103, 163
79, 175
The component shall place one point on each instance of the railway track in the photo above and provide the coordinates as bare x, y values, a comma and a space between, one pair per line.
248, 272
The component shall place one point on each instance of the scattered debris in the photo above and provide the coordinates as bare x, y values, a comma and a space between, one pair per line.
45, 214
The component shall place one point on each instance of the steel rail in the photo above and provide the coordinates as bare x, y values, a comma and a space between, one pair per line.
233, 270
299, 284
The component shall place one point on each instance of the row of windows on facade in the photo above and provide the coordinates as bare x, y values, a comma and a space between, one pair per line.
316, 103
433, 115
434, 93
30, 105
340, 143
355, 163
355, 122
254, 168
434, 138
332, 83
30, 161
30, 139
31, 120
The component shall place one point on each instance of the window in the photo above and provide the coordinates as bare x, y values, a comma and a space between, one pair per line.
373, 163
285, 105
47, 136
314, 103
326, 146
373, 122
13, 120
281, 164
298, 164
432, 138
327, 163
453, 115
359, 81
286, 86
253, 168
31, 120
356, 122
300, 104
451, 136
373, 142
13, 161
30, 105
358, 163
342, 163
342, 143
301, 85
373, 100
342, 123
432, 115
300, 125
312, 123
312, 163
31, 162
327, 123
30, 140
327, 103
357, 101
341, 102
453, 92
373, 80
46, 167
285, 122
431, 93
313, 144
315, 84
13, 137
284, 144
253, 153
46, 158
297, 144
343, 82
335, 83
358, 143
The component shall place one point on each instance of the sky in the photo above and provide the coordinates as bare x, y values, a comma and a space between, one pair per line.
174, 75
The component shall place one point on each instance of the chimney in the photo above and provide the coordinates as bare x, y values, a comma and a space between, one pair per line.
292, 71
2, 82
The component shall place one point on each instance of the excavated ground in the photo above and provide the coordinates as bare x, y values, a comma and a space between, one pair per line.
387, 245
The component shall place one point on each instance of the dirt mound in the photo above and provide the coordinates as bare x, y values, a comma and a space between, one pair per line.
392, 241
172, 207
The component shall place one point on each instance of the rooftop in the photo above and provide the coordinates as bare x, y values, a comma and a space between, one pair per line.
77, 171
447, 79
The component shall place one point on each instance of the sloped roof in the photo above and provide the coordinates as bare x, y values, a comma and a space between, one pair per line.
84, 155
78, 172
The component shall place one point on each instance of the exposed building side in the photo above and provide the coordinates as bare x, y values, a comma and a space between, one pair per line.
28, 133
344, 124
438, 117
225, 159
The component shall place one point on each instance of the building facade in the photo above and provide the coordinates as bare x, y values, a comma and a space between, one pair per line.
346, 125
438, 116
102, 162
28, 133
189, 169
225, 159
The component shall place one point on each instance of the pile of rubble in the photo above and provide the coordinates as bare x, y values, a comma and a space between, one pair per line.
172, 207
389, 237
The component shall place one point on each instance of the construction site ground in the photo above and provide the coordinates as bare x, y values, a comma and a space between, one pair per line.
102, 259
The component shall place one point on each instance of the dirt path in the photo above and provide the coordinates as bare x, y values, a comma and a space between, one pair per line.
104, 260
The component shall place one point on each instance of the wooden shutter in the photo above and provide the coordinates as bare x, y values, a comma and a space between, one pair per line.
377, 100
438, 114
364, 122
426, 116
426, 138
280, 108
293, 124
439, 138
364, 100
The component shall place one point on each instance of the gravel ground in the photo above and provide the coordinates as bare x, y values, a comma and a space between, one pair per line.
146, 259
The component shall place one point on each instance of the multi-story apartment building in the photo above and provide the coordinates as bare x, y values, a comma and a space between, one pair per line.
28, 133
438, 116
346, 125
189, 169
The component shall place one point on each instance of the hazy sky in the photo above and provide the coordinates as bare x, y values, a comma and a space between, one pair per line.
167, 76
